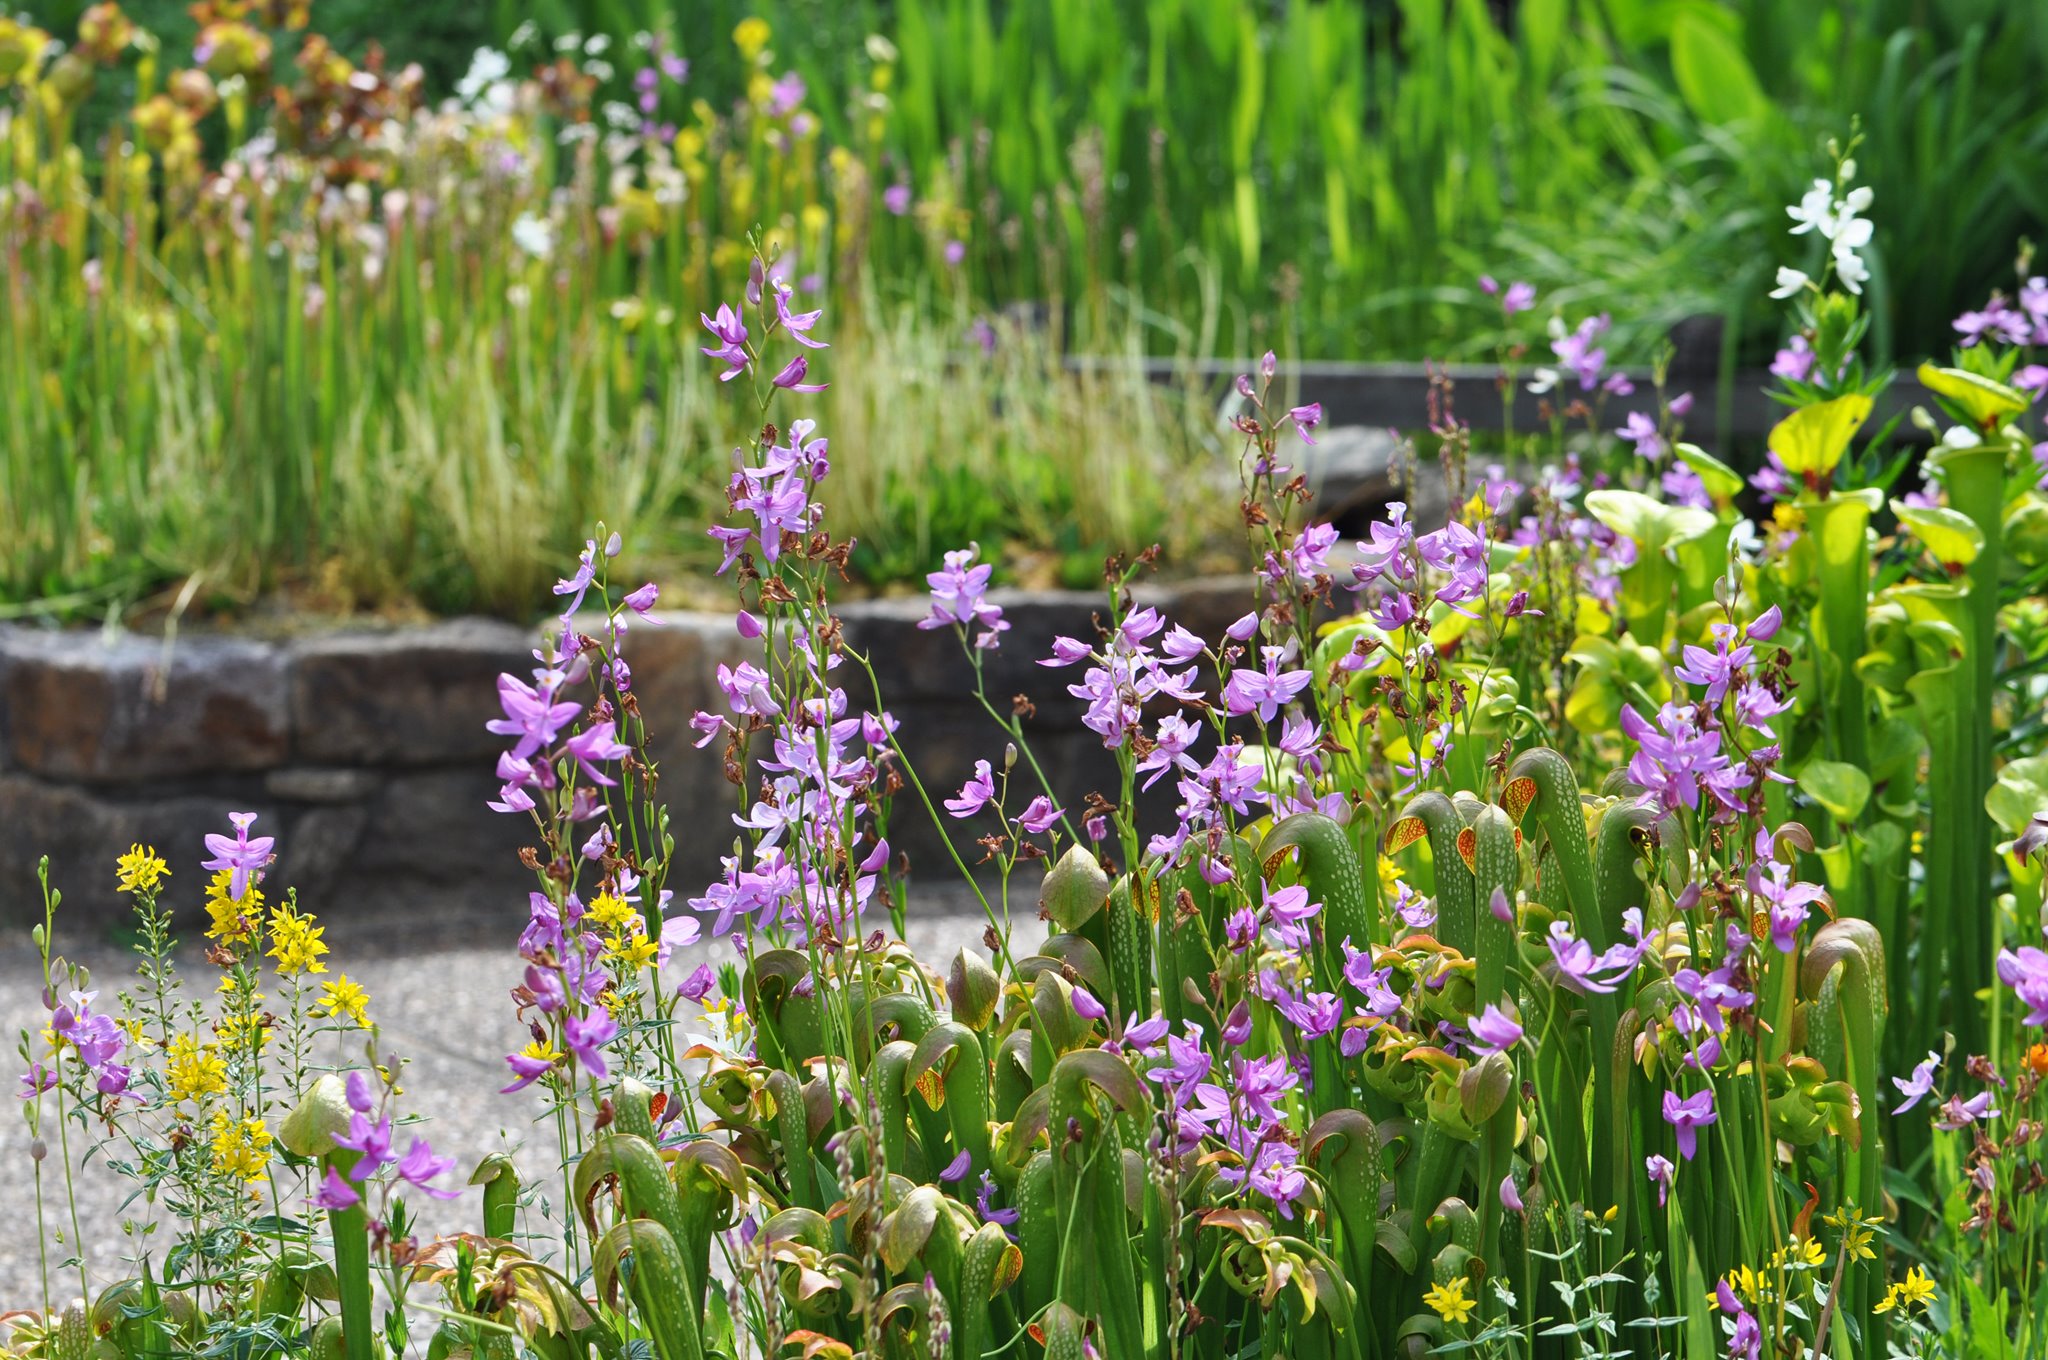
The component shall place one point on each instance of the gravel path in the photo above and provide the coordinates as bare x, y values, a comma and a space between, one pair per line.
438, 992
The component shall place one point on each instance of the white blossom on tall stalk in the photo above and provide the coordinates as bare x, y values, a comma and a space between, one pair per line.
1840, 224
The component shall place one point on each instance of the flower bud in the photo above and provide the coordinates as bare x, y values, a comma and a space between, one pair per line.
973, 988
1484, 1086
1075, 889
37, 1149
322, 1112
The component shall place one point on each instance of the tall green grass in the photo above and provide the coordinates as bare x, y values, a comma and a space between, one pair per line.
222, 384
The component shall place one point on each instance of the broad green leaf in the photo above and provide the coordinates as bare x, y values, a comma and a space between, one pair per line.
1713, 75
1983, 403
1812, 440
1722, 482
1653, 525
2021, 791
1840, 788
1610, 672
1952, 536
2026, 529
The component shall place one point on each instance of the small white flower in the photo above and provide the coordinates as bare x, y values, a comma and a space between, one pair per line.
1543, 380
534, 235
1960, 437
1851, 233
1814, 210
1851, 270
486, 68
1790, 281
597, 44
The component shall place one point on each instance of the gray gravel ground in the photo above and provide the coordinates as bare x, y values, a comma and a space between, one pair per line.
438, 991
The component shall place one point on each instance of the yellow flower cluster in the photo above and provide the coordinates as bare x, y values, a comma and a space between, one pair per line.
343, 998
1753, 1287
140, 870
241, 1147
230, 921
1915, 1291
609, 912
295, 942
239, 1032
1858, 1231
194, 1071
624, 929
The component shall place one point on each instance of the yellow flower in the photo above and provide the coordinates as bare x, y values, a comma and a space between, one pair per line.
1805, 1253
633, 949
751, 36
1916, 1290
609, 913
232, 922
194, 1073
1449, 1301
1753, 1285
1858, 1230
295, 942
238, 1033
1888, 1302
139, 871
344, 998
241, 1147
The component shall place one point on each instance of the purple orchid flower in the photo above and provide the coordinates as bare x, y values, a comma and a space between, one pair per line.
976, 794
1686, 1117
2026, 972
1494, 1031
373, 1141
1581, 969
585, 1039
1264, 691
1919, 1085
1660, 1170
335, 1193
1960, 1114
1039, 816
241, 855
420, 1166
731, 333
1746, 1338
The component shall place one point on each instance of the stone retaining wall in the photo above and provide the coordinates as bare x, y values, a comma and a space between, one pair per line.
366, 755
